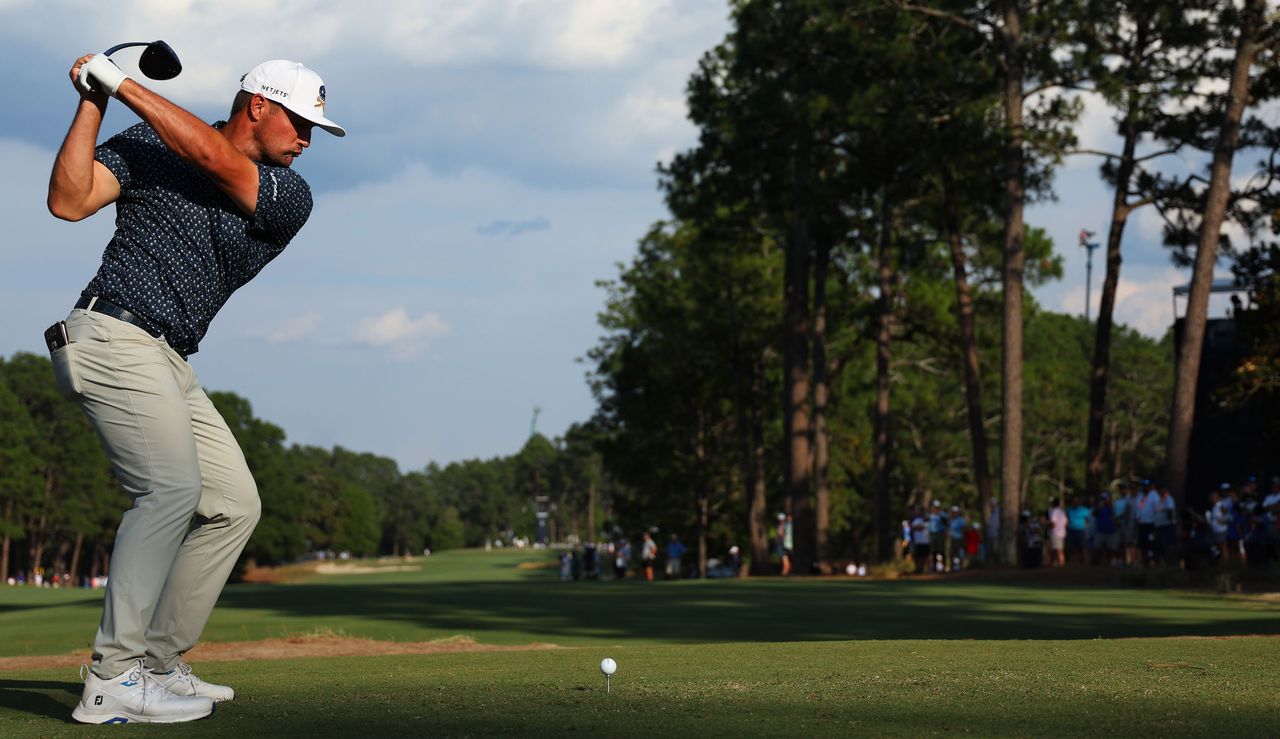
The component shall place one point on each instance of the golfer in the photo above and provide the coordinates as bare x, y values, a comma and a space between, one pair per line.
200, 210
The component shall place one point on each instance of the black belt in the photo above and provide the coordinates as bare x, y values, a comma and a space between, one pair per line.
107, 308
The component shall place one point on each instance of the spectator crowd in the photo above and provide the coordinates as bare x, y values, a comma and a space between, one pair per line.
1136, 525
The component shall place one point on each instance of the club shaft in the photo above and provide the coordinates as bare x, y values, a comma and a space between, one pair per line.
118, 47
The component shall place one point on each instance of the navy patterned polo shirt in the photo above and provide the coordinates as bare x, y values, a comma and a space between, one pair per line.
181, 245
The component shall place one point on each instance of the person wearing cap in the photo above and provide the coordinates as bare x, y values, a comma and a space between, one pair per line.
1079, 519
199, 211
973, 542
956, 526
937, 536
786, 541
734, 561
1218, 518
675, 551
1237, 523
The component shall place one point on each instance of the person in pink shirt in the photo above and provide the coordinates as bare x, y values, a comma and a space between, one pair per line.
1058, 532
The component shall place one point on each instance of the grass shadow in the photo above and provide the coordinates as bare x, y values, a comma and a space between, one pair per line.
762, 610
39, 698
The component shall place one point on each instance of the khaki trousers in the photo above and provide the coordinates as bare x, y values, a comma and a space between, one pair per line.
194, 500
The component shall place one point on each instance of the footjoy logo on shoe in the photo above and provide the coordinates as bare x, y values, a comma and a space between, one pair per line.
97, 700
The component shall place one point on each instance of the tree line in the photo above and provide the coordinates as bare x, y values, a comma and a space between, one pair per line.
60, 503
839, 287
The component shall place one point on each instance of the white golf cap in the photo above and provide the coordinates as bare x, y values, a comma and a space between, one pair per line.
295, 87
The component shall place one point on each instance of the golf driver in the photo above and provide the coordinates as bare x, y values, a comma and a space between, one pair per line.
158, 61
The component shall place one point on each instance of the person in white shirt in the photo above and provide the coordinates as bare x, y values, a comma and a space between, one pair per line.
1219, 518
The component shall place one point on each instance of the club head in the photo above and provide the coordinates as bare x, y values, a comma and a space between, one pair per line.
159, 62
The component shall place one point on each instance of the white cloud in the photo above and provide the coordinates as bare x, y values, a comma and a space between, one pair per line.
405, 336
599, 32
653, 114
1144, 299
1147, 304
1095, 130
219, 41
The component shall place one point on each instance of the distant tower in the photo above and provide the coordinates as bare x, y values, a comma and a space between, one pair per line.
1089, 247
533, 425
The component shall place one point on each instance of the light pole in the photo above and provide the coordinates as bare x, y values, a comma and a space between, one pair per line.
1088, 246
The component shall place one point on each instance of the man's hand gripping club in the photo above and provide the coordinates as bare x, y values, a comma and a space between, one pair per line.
100, 74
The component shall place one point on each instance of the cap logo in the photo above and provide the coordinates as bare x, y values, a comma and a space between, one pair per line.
320, 99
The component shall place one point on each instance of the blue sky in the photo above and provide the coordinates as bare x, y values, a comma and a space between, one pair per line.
499, 161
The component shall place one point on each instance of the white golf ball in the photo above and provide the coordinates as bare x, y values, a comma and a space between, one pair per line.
608, 666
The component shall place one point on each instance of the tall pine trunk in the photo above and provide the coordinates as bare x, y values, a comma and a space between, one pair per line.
37, 538
968, 347
75, 557
5, 543
751, 428
796, 361
1187, 370
1120, 210
821, 440
885, 536
704, 521
1014, 259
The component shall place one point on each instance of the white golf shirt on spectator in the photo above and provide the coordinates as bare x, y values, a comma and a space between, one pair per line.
1220, 516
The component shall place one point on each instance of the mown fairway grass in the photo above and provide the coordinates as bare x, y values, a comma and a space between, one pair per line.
742, 657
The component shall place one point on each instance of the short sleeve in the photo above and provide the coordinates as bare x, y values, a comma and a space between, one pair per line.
121, 153
284, 204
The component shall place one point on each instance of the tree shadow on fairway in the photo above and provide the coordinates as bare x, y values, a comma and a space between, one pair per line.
39, 698
16, 607
751, 610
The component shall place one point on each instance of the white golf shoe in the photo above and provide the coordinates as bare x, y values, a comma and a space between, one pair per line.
135, 695
181, 681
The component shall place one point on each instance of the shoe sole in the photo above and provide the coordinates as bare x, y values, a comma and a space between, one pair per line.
124, 717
